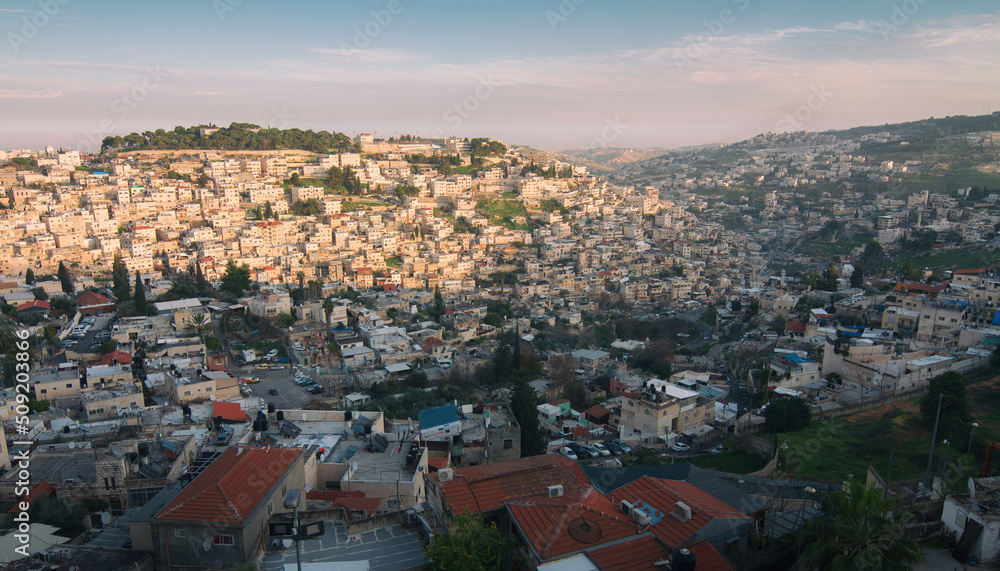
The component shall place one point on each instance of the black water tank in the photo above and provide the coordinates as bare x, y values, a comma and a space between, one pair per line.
256, 425
684, 560
368, 429
263, 425
143, 450
270, 408
66, 429
218, 420
348, 415
280, 415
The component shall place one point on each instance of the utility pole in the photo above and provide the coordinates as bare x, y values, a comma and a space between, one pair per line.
930, 459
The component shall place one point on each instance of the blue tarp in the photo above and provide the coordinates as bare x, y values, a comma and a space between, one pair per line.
996, 318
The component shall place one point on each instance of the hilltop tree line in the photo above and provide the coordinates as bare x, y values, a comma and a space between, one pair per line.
236, 137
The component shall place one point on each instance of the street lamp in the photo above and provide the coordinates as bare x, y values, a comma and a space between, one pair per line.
292, 503
972, 432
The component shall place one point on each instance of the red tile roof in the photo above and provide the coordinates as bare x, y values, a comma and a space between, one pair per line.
122, 357
487, 487
36, 304
637, 554
970, 272
89, 298
796, 326
229, 411
548, 523
596, 411
708, 559
43, 489
663, 495
231, 488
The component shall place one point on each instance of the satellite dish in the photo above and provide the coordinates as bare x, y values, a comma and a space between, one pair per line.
303, 417
287, 543
308, 488
206, 545
972, 489
72, 445
106, 518
584, 530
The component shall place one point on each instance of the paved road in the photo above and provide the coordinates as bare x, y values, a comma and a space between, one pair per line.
389, 549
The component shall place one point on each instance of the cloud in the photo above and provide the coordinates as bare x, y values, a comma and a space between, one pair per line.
29, 94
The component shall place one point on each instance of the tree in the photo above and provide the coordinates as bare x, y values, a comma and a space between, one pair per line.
956, 413
873, 258
523, 400
829, 278
29, 276
439, 307
199, 324
858, 277
199, 280
40, 294
212, 343
911, 272
328, 310
474, 546
786, 414
236, 279
861, 531
119, 278
141, 307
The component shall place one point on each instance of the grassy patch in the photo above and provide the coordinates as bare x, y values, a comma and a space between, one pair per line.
501, 211
732, 462
956, 258
839, 246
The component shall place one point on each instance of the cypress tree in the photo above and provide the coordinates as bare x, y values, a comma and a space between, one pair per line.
141, 307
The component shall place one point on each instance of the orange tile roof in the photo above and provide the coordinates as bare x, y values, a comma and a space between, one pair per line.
487, 487
43, 489
547, 523
231, 488
663, 495
637, 554
229, 411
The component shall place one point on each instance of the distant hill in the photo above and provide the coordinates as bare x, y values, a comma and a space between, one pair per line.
236, 137
607, 159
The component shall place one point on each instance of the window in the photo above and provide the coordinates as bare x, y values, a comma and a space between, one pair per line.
180, 533
45, 391
508, 444
69, 385
284, 489
960, 520
222, 540
270, 508
187, 393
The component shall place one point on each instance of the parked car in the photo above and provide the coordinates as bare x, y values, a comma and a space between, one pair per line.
716, 450
621, 444
601, 449
680, 447
277, 367
614, 448
590, 449
261, 367
580, 451
315, 390
567, 452
272, 391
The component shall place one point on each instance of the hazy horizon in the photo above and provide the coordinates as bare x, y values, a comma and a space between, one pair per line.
556, 75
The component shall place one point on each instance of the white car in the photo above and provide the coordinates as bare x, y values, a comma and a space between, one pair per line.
680, 447
601, 449
568, 453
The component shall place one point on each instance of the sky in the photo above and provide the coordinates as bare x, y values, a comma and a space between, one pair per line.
552, 74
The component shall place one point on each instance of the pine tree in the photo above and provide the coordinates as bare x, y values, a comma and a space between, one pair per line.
119, 277
65, 279
199, 279
522, 403
141, 308
29, 276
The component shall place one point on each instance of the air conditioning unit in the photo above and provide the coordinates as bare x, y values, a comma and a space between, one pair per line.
555, 491
445, 475
626, 508
640, 517
683, 511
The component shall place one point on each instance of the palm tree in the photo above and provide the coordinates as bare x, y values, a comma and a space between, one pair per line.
862, 531
199, 324
301, 277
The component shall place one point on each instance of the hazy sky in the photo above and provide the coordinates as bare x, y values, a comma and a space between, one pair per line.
552, 74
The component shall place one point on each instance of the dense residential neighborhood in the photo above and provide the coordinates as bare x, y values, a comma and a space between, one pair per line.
432, 340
